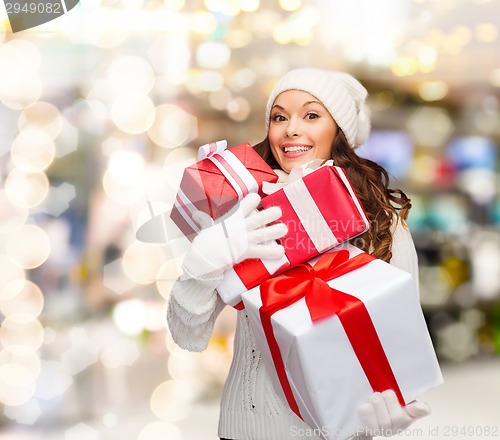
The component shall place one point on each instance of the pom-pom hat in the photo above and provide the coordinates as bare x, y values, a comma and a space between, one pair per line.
342, 95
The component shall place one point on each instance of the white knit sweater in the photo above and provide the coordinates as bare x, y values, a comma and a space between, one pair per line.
250, 409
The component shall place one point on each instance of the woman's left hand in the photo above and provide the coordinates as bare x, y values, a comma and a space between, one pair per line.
384, 416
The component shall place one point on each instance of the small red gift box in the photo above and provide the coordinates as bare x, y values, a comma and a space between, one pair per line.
320, 210
215, 183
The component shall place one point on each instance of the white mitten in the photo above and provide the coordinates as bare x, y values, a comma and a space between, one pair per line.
384, 416
242, 233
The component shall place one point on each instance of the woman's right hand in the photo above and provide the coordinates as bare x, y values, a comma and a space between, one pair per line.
243, 233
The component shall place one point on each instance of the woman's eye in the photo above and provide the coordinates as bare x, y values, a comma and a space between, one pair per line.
312, 116
278, 118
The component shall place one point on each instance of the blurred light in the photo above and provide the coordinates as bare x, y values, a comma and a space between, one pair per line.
227, 7
238, 109
109, 420
157, 430
174, 5
212, 55
115, 279
21, 296
11, 271
175, 164
433, 90
25, 414
463, 33
171, 56
202, 22
133, 4
210, 81
167, 275
495, 77
126, 167
43, 115
53, 381
21, 92
29, 245
81, 431
123, 194
123, 353
181, 367
452, 45
219, 99
427, 57
32, 150
103, 29
26, 190
131, 75
172, 400
30, 361
448, 213
481, 184
17, 384
485, 261
473, 318
142, 261
82, 353
249, 5
59, 199
242, 79
456, 342
404, 66
129, 317
434, 286
390, 148
486, 32
430, 127
237, 38
290, 5
466, 152
383, 100
173, 127
424, 169
21, 334
11, 216
133, 113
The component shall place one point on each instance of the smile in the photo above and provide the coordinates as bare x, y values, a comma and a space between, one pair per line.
296, 148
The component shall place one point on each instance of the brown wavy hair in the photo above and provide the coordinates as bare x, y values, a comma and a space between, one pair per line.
371, 183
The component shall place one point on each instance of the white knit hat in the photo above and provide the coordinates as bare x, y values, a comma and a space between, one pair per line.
341, 94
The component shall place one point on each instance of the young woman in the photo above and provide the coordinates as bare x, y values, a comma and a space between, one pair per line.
310, 114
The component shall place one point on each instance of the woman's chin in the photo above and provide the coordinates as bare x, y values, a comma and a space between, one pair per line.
287, 163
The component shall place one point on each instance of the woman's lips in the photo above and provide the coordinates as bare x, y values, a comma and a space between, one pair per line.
291, 151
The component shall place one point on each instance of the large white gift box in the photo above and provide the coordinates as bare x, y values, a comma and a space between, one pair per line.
336, 329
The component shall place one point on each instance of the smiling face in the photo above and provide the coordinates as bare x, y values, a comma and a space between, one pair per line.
301, 129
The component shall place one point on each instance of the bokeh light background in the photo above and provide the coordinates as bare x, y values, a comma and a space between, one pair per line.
102, 109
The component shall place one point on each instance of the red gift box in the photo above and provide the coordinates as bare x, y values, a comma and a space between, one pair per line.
215, 183
320, 210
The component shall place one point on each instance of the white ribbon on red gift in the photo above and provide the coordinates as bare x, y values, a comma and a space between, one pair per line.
230, 166
186, 209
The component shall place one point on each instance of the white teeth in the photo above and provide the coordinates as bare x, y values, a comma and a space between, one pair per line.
296, 148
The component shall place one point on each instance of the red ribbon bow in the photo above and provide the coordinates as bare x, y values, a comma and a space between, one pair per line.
323, 301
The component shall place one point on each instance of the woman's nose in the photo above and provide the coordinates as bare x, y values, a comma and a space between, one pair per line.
293, 128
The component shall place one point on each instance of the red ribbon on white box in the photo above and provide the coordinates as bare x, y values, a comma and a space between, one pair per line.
242, 277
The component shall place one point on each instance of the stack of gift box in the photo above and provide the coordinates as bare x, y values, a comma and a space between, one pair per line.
333, 323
